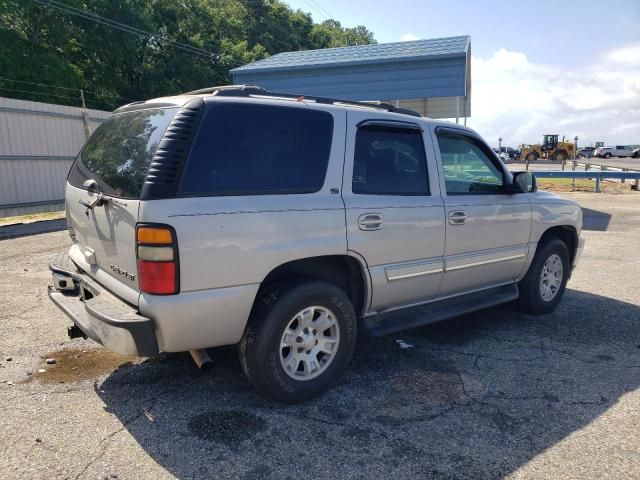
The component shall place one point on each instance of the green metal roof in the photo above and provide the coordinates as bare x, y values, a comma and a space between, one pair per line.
361, 54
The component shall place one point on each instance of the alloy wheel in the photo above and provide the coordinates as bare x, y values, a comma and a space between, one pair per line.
551, 277
309, 343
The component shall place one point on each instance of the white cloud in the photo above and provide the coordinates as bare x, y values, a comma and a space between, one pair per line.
407, 37
520, 100
627, 56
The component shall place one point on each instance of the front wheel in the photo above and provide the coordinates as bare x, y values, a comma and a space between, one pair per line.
607, 155
543, 286
299, 340
560, 156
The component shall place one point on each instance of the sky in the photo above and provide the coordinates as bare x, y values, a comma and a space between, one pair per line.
567, 67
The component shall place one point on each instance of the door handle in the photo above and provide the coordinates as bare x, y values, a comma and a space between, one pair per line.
457, 217
370, 221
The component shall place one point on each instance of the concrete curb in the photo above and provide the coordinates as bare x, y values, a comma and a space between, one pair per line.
33, 228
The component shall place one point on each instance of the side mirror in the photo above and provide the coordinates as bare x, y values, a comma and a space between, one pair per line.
524, 182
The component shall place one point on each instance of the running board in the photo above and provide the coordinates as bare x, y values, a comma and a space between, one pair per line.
418, 316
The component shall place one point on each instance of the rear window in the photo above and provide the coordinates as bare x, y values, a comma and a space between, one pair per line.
244, 149
119, 152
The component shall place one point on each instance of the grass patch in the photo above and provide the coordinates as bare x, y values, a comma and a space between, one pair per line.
581, 185
580, 182
34, 217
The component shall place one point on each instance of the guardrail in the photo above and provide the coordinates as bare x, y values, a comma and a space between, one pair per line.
596, 175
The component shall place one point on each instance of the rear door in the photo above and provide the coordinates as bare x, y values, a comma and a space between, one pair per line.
103, 192
623, 151
394, 212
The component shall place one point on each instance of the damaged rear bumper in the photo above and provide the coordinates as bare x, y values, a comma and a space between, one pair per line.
100, 315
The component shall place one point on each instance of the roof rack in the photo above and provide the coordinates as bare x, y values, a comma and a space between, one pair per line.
231, 88
248, 90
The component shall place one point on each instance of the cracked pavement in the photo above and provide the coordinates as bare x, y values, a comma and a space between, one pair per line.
493, 394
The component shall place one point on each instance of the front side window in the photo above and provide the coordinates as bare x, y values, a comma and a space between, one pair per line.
249, 149
467, 168
389, 161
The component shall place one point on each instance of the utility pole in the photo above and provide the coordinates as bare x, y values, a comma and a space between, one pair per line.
85, 117
499, 145
575, 162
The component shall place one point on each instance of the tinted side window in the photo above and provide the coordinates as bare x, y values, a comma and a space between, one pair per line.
389, 161
245, 149
467, 168
119, 152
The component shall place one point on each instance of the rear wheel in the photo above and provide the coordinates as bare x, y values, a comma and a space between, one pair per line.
543, 286
299, 340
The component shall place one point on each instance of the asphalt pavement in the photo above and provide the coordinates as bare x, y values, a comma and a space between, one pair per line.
489, 395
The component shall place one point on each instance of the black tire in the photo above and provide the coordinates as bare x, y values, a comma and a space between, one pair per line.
260, 346
607, 155
531, 299
560, 156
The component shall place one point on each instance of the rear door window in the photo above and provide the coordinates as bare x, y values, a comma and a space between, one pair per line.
249, 149
119, 152
389, 161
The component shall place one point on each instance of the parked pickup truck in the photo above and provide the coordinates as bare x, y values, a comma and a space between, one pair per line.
615, 151
290, 225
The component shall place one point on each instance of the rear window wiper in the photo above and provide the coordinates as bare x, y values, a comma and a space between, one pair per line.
100, 200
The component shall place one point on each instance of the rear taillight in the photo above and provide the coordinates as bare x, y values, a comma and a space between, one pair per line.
157, 254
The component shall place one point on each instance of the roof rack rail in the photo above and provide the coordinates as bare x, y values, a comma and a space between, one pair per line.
392, 108
248, 90
228, 88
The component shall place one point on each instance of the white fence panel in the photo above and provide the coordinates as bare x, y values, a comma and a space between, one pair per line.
38, 142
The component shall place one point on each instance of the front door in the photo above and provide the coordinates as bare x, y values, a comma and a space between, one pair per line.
487, 228
394, 211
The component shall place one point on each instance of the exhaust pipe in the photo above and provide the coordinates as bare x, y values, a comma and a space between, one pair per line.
74, 332
202, 359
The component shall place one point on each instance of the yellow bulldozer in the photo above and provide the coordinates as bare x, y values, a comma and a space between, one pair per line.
551, 149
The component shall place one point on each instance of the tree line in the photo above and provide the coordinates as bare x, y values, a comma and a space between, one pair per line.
118, 51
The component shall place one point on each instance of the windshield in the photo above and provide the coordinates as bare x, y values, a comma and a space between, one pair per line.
120, 151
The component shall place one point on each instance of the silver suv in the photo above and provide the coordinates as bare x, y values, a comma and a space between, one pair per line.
289, 225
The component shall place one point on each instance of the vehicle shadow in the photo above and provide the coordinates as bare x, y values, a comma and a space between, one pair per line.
595, 220
474, 397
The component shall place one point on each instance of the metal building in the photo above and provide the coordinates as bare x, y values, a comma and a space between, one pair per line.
38, 142
432, 76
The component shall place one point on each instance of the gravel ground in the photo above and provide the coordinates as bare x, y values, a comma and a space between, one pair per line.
489, 395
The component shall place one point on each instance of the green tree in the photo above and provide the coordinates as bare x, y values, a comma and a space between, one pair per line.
40, 44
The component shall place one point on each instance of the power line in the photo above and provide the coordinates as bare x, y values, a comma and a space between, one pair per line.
322, 9
317, 10
32, 92
38, 93
97, 94
84, 14
121, 26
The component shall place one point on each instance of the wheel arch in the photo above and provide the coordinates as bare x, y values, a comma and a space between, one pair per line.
347, 272
565, 233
